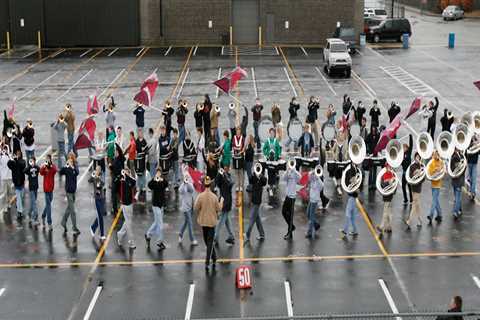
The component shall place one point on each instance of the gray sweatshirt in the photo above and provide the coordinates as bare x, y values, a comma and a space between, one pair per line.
186, 194
110, 119
60, 128
232, 117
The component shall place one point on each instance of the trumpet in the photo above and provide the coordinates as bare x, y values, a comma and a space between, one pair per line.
158, 178
184, 103
201, 107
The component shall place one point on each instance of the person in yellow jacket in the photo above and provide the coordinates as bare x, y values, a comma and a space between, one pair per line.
434, 168
207, 205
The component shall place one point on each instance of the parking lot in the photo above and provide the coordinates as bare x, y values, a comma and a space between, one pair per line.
48, 276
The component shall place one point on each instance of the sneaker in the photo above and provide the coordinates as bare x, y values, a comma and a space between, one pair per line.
317, 226
76, 232
230, 241
119, 243
132, 246
408, 229
429, 220
261, 238
353, 234
287, 236
147, 240
343, 232
194, 243
103, 238
325, 206
419, 226
65, 229
438, 219
180, 239
161, 246
92, 233
50, 227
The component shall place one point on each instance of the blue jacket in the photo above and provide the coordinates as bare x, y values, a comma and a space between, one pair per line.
70, 178
291, 177
315, 186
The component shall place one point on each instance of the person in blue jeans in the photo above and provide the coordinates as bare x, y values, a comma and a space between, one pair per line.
186, 206
48, 171
158, 186
315, 187
17, 166
472, 161
258, 182
59, 127
224, 183
350, 213
99, 203
457, 184
32, 172
70, 171
433, 169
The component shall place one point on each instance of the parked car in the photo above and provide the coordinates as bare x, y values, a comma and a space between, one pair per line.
370, 22
348, 36
377, 13
453, 13
336, 57
390, 29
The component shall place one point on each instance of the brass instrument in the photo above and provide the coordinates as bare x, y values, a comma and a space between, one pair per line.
394, 157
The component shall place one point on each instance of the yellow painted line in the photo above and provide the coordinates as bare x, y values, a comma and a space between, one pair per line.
371, 228
292, 73
240, 225
30, 67
434, 254
185, 64
104, 246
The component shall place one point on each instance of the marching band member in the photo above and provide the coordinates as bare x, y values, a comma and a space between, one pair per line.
347, 105
186, 191
374, 114
164, 147
387, 178
306, 142
201, 150
127, 192
6, 177
212, 166
70, 120
332, 155
244, 123
363, 129
48, 171
32, 172
167, 117
158, 185
291, 177
249, 156
140, 161
312, 117
28, 134
342, 154
189, 152
331, 113
315, 188
415, 211
17, 167
111, 137
472, 161
371, 142
321, 160
437, 165
174, 159
100, 154
198, 116
207, 206
59, 127
16, 139
226, 149
131, 152
457, 184
258, 181
276, 115
292, 110
351, 210
207, 108
213, 144
99, 197
8, 125
238, 158
119, 136
152, 147
447, 120
224, 182
359, 112
110, 116
116, 168
139, 113
214, 115
393, 111
407, 160
432, 120
272, 151
232, 118
182, 111
257, 117
70, 171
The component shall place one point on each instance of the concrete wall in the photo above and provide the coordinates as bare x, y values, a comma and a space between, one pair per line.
186, 21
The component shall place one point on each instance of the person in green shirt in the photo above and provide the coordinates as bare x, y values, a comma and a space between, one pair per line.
227, 149
272, 147
111, 136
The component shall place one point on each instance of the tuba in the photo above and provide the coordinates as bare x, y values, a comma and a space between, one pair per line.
424, 144
318, 171
291, 164
357, 152
394, 157
476, 122
462, 136
461, 139
391, 187
357, 149
474, 145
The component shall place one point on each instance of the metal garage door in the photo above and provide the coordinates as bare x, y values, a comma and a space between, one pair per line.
245, 21
25, 20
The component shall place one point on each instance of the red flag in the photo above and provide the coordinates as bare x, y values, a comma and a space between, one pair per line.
11, 110
414, 107
477, 84
303, 192
388, 134
303, 179
229, 81
197, 177
92, 105
147, 90
86, 134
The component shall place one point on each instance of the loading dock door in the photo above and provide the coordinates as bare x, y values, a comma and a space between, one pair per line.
245, 21
25, 21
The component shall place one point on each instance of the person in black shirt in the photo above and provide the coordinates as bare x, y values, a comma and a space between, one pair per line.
455, 306
29, 139
198, 115
249, 155
207, 108
432, 120
360, 111
141, 161
116, 168
139, 113
224, 183
127, 192
346, 105
158, 185
393, 111
167, 117
375, 114
189, 151
99, 203
447, 120
312, 117
472, 161
407, 160
293, 111
17, 166
259, 181
181, 115
244, 123
32, 172
371, 142
257, 116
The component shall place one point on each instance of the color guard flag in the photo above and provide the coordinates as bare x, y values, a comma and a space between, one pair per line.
197, 177
477, 84
388, 134
414, 107
92, 105
11, 110
229, 81
147, 90
86, 134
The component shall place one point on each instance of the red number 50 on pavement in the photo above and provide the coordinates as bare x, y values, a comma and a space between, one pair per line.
244, 277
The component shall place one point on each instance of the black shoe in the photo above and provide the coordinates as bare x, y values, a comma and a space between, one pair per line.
325, 205
317, 226
161, 246
230, 241
65, 229
76, 232
429, 220
343, 232
147, 240
438, 219
408, 229
288, 236
260, 238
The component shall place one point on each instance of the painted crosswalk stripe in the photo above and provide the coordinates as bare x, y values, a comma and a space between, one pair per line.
476, 280
168, 50
92, 303
390, 301
2, 291
188, 310
288, 298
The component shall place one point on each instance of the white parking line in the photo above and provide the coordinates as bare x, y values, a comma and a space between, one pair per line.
2, 291
290, 81
29, 54
113, 52
390, 301
84, 174
254, 83
221, 53
288, 298
195, 51
140, 52
188, 310
183, 83
111, 83
304, 51
365, 86
58, 52
168, 50
218, 77
74, 85
38, 85
85, 53
476, 280
326, 81
276, 50
92, 303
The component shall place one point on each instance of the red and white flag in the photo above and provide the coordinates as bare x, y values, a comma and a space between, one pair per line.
147, 90
414, 107
229, 81
86, 134
92, 105
197, 178
477, 84
11, 109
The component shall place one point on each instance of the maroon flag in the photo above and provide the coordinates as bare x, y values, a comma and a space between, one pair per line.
414, 107
11, 110
147, 90
197, 177
86, 134
388, 134
92, 105
303, 192
477, 84
229, 81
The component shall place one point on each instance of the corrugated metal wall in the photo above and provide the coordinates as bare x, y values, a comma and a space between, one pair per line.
26, 19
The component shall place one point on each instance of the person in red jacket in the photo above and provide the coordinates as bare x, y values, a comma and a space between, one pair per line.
48, 171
